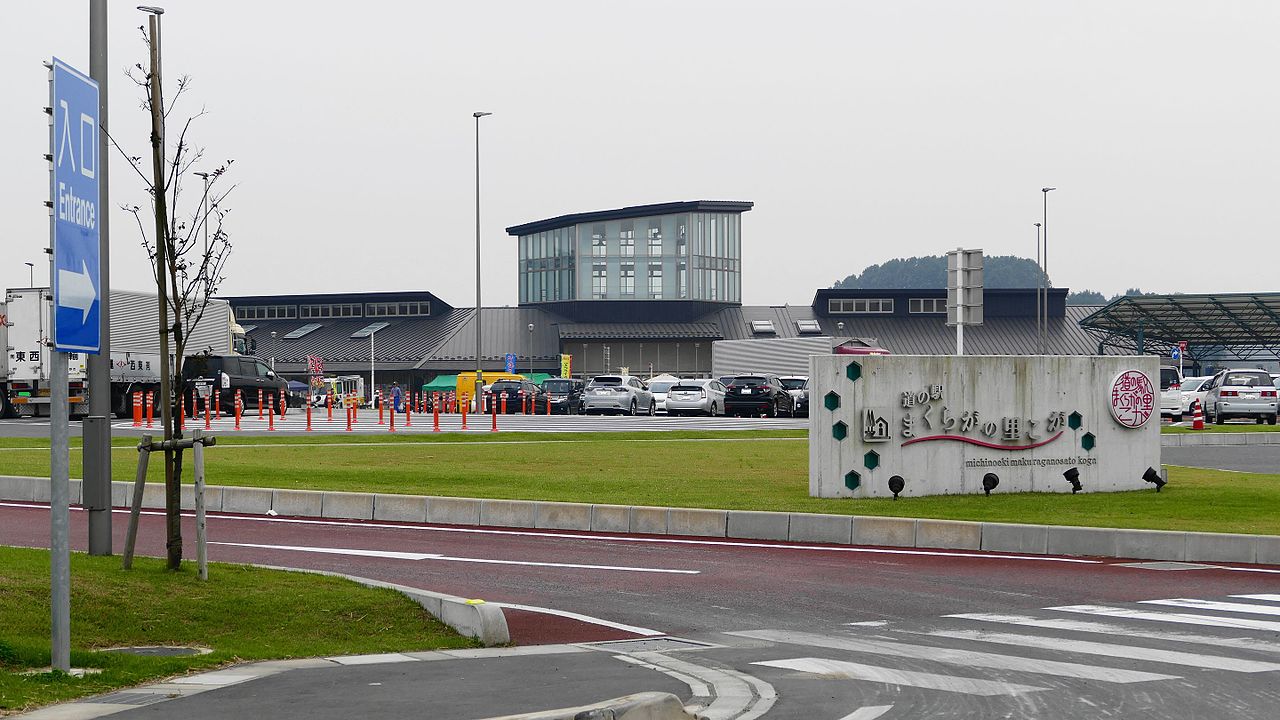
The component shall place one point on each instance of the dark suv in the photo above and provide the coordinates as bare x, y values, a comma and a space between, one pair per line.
516, 392
565, 395
229, 373
758, 395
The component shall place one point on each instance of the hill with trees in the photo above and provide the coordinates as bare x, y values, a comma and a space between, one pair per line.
999, 271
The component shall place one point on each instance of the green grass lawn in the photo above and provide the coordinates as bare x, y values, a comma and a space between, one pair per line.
1228, 427
765, 470
240, 613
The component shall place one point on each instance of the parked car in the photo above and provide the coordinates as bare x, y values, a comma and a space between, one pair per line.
696, 397
660, 388
795, 385
1170, 393
624, 394
757, 395
1193, 389
230, 373
516, 392
565, 393
1247, 393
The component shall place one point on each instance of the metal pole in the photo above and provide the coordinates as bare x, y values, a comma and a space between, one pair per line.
960, 307
1047, 283
479, 381
202, 551
372, 384
60, 510
96, 468
530, 351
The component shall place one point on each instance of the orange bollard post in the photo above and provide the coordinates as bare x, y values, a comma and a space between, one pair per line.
182, 414
495, 413
282, 404
137, 409
195, 406
328, 405
392, 415
308, 417
408, 415
260, 403
463, 407
349, 413
435, 416
238, 408
151, 407
548, 404
379, 403
208, 411
271, 412
504, 405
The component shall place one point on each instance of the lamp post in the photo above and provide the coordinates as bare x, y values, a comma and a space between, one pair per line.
479, 376
372, 377
530, 351
1039, 287
696, 370
273, 349
31, 274
1045, 219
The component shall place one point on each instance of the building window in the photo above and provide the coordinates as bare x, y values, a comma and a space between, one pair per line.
682, 277
597, 280
391, 309
655, 238
847, 306
655, 279
682, 237
932, 306
628, 239
628, 278
597, 241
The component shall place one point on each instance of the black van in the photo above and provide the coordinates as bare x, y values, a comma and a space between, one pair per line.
229, 373
565, 394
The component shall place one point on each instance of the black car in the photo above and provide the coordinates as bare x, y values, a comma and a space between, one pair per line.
761, 394
229, 373
516, 392
565, 395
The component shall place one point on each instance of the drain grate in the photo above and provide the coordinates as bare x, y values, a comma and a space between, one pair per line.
661, 644
129, 698
159, 650
1172, 565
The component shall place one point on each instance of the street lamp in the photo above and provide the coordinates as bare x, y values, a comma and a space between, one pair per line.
371, 367
1039, 286
696, 370
273, 349
1045, 334
530, 351
479, 382
31, 274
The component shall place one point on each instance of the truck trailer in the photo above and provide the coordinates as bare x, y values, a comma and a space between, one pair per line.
135, 350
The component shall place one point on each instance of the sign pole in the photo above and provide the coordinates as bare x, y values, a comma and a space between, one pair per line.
960, 308
97, 430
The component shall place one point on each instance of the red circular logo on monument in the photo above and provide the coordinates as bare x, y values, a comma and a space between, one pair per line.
1133, 398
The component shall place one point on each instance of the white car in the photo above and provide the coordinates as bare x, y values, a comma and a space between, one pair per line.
1247, 392
795, 385
660, 388
1193, 389
1170, 393
696, 397
623, 394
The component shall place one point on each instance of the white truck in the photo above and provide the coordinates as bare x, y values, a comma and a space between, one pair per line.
135, 350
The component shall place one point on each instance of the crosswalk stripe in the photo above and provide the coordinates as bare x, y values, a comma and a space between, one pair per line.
858, 671
1120, 630
1183, 618
1264, 597
870, 712
952, 656
1216, 606
1130, 652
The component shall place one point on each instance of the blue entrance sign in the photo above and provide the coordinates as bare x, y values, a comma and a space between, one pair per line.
76, 282
511, 363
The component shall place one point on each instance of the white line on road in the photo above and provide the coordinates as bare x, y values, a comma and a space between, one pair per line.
1264, 597
436, 556
1181, 618
871, 712
1087, 626
583, 618
1217, 606
930, 681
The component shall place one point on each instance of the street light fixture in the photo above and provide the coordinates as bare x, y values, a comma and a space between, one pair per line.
1045, 332
530, 351
479, 376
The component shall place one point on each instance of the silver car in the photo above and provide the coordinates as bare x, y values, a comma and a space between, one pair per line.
1247, 393
696, 397
623, 394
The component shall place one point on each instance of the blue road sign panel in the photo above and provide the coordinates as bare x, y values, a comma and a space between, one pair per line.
76, 283
511, 363
1176, 354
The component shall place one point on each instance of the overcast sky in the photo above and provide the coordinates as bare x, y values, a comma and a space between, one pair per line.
863, 131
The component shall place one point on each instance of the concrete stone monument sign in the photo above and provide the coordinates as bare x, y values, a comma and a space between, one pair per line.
941, 425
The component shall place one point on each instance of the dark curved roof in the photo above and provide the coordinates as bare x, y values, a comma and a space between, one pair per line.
725, 206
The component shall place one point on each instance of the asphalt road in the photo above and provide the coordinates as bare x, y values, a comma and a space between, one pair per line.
833, 632
1240, 458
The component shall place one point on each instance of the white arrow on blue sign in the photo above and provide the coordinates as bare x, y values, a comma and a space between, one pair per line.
76, 282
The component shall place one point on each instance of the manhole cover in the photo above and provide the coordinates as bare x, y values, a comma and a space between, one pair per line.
159, 650
129, 698
662, 644
1172, 565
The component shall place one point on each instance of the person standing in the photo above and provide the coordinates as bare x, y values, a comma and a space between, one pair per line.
395, 397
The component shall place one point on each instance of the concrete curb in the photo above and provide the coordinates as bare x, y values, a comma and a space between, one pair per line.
640, 706
694, 522
1212, 438
472, 618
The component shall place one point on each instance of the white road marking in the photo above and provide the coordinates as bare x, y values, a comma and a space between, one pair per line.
1129, 652
967, 658
1217, 606
869, 623
697, 688
435, 556
1264, 597
858, 671
871, 712
583, 618
1120, 630
1182, 618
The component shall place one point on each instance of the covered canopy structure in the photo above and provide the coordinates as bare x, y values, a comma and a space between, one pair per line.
1234, 326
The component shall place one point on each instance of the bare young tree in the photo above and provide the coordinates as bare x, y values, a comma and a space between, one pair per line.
188, 245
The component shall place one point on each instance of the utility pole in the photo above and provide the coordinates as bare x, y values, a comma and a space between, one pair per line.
96, 466
173, 518
479, 370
